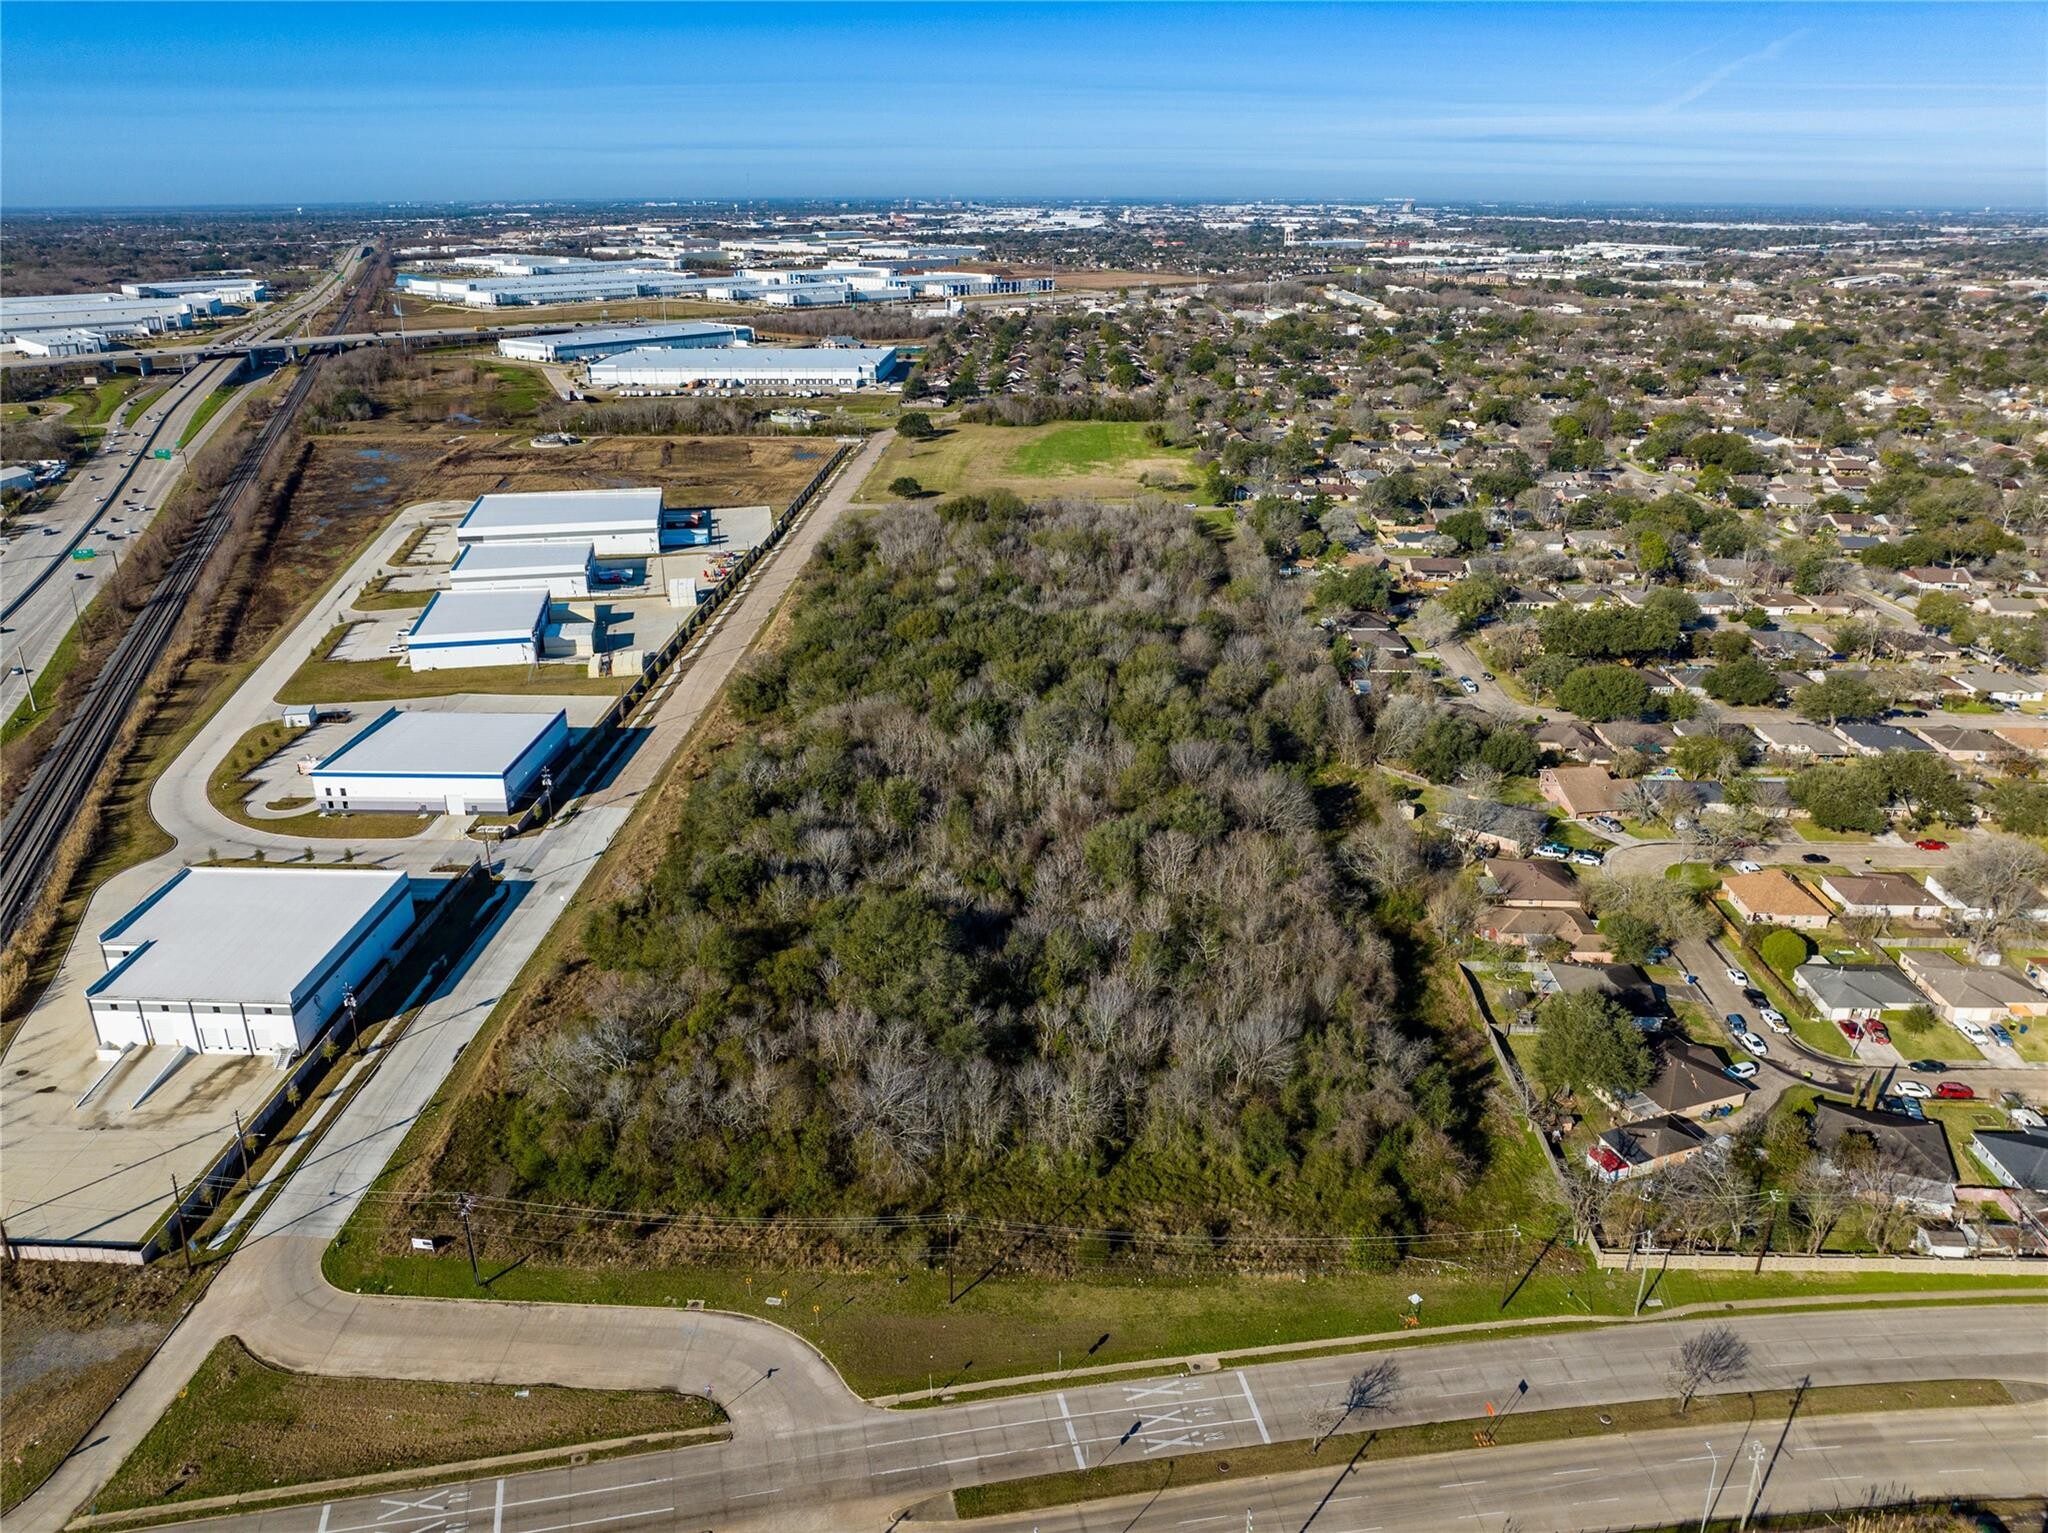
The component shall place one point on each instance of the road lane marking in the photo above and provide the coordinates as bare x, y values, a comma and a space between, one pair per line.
748, 1495
325, 1508
1459, 1484
1589, 1469
1073, 1438
497, 1509
1246, 1385
1921, 1442
591, 1522
1133, 1393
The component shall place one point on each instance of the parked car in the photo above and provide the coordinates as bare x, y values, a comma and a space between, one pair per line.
1550, 851
1974, 1032
1737, 1022
1955, 1091
1746, 1071
1736, 976
1910, 1088
1468, 686
1586, 859
1813, 857
1931, 845
1755, 997
2001, 1033
1752, 1043
1744, 865
1774, 1019
1906, 1107
1691, 979
1927, 1066
1853, 1031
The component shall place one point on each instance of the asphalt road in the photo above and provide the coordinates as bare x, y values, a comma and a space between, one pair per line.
1648, 1480
806, 1455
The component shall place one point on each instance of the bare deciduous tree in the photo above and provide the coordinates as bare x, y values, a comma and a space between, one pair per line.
1712, 1356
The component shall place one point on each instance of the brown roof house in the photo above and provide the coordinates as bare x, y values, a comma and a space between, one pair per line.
1533, 927
1529, 885
1774, 898
1580, 790
1968, 992
1639, 1149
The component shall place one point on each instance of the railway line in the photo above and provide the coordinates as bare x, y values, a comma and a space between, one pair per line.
50, 801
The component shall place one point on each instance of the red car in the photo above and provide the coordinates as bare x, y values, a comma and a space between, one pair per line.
1877, 1032
1851, 1030
1932, 846
1954, 1091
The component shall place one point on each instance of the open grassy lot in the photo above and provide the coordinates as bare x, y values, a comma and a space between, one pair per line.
241, 1425
895, 1331
1137, 1476
76, 1334
1102, 460
209, 407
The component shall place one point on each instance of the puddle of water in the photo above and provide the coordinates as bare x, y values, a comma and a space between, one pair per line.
377, 454
805, 457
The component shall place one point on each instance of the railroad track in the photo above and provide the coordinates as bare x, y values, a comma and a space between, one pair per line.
50, 801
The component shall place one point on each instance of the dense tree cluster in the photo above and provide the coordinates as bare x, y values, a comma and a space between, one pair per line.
1028, 892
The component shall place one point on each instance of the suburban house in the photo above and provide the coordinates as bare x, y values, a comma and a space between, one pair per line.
1568, 737
1962, 742
1580, 790
1622, 983
1967, 992
1890, 895
1496, 827
1639, 1149
1930, 577
1920, 1172
1774, 898
1841, 993
1691, 1081
1528, 885
2018, 1158
1876, 739
2001, 686
1533, 927
1936, 888
1797, 739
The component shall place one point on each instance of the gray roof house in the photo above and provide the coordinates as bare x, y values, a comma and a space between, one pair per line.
2018, 1158
1840, 992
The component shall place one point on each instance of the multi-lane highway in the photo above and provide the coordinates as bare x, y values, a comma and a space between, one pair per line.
805, 1454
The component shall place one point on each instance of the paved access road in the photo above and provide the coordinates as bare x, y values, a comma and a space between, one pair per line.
1650, 1480
806, 1454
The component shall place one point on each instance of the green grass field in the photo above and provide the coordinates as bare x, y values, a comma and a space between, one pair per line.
209, 407
326, 680
243, 1426
1101, 460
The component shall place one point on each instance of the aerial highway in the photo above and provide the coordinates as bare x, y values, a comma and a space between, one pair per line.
48, 803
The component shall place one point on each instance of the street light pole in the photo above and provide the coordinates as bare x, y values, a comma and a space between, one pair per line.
1713, 1473
1756, 1483
463, 1204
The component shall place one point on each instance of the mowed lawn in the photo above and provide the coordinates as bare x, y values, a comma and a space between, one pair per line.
1099, 460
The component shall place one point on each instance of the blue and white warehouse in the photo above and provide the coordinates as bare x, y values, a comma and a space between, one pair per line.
436, 762
463, 629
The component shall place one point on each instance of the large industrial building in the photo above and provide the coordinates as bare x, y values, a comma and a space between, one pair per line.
224, 287
618, 524
463, 629
579, 345
431, 763
762, 369
104, 313
777, 286
246, 960
564, 569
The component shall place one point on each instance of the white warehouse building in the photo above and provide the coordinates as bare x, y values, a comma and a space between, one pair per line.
563, 569
576, 345
618, 524
463, 629
776, 369
246, 960
434, 763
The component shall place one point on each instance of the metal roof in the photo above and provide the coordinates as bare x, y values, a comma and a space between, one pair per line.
510, 558
257, 933
540, 511
404, 743
459, 617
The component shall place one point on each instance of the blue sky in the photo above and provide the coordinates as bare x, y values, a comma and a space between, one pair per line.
166, 104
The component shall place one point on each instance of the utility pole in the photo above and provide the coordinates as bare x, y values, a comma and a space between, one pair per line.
28, 678
1756, 1484
178, 1216
464, 1202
